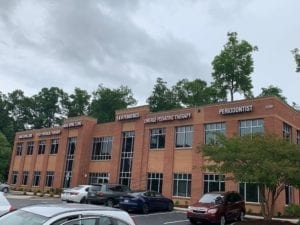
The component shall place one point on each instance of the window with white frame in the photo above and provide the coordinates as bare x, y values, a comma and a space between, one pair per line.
30, 148
289, 195
182, 183
250, 192
157, 138
211, 131
25, 177
184, 137
155, 182
36, 178
250, 127
287, 132
98, 178
214, 182
102, 147
14, 177
54, 146
19, 148
42, 147
49, 178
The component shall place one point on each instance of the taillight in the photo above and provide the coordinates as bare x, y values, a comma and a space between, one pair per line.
100, 194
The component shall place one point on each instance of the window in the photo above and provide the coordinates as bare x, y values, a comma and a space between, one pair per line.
184, 137
25, 178
212, 130
298, 137
49, 178
155, 182
30, 148
54, 146
42, 147
36, 178
157, 138
250, 192
19, 149
182, 184
288, 195
14, 177
250, 127
214, 182
287, 132
98, 178
102, 148
69, 161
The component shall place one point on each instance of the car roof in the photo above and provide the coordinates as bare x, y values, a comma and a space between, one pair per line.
50, 210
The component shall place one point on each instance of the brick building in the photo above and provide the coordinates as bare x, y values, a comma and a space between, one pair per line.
147, 150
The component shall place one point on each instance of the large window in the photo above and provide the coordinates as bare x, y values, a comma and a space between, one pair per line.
42, 147
212, 130
98, 178
184, 137
287, 132
298, 137
157, 138
289, 195
250, 127
182, 184
36, 178
19, 148
54, 146
49, 178
102, 148
69, 161
155, 182
214, 182
14, 177
25, 176
250, 192
30, 148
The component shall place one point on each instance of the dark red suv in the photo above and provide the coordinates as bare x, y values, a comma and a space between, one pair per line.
217, 207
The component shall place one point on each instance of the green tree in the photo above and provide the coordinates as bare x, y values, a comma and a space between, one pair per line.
233, 66
194, 93
5, 152
267, 160
106, 101
77, 104
272, 91
6, 121
296, 54
162, 98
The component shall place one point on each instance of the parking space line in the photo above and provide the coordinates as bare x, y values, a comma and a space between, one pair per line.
153, 214
176, 221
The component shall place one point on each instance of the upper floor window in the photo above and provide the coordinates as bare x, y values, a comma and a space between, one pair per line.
30, 148
157, 138
102, 147
42, 147
184, 137
19, 148
54, 146
212, 130
250, 127
287, 132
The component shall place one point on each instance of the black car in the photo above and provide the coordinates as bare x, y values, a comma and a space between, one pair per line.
108, 194
145, 202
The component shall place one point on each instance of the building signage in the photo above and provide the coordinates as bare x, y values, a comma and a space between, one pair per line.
49, 133
72, 124
235, 110
164, 118
128, 116
23, 136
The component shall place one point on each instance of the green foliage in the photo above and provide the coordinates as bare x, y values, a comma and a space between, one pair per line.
6, 122
162, 98
272, 91
106, 101
296, 54
5, 152
233, 66
78, 103
292, 210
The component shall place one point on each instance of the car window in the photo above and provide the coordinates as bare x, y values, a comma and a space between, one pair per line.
82, 221
87, 189
96, 188
65, 219
20, 217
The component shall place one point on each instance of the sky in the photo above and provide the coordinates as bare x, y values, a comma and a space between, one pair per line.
85, 43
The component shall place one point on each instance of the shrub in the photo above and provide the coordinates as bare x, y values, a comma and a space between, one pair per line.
292, 210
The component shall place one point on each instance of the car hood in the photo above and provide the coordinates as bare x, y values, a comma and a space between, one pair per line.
204, 205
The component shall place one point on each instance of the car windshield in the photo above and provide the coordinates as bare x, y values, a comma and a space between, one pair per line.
20, 217
211, 198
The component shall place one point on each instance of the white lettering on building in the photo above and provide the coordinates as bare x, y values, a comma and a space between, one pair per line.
164, 118
48, 133
22, 136
235, 110
128, 116
72, 124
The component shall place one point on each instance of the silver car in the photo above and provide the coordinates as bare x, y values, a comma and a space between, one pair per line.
67, 214
76, 194
4, 187
5, 206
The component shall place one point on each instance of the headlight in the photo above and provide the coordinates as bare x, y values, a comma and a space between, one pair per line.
212, 211
190, 208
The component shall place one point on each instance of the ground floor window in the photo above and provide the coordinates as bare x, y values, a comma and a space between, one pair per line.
98, 178
14, 177
250, 192
36, 178
25, 178
182, 184
214, 182
288, 195
154, 182
49, 178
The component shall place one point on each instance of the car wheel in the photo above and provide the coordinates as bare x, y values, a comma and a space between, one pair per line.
170, 206
110, 203
193, 221
222, 220
145, 208
5, 190
83, 200
241, 216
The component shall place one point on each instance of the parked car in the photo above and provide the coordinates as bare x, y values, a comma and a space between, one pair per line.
217, 207
108, 194
76, 194
145, 202
5, 206
67, 214
4, 187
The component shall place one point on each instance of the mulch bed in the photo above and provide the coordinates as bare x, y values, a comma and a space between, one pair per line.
263, 222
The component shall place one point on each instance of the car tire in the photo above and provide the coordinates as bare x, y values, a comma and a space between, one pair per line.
83, 200
170, 206
5, 190
145, 208
110, 203
241, 216
222, 220
193, 221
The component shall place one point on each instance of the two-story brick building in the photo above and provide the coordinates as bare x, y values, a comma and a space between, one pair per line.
145, 150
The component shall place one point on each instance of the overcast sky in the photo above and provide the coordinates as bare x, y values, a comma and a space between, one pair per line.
85, 43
